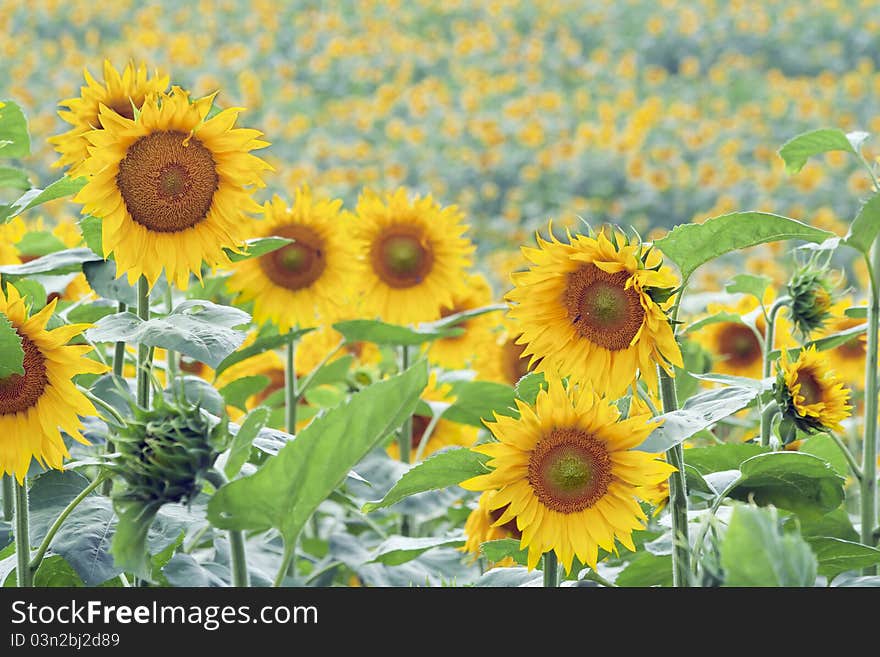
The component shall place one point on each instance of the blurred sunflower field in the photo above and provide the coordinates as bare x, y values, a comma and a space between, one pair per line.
439, 294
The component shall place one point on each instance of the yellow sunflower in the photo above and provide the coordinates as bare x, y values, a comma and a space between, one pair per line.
502, 360
458, 351
310, 276
118, 93
37, 405
480, 528
412, 255
568, 474
586, 309
171, 186
847, 359
810, 394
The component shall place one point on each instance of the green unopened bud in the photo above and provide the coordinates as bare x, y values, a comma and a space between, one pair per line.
812, 289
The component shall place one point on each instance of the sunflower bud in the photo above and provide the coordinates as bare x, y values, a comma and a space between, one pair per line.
811, 289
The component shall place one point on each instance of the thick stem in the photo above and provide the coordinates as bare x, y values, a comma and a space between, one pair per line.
143, 360
767, 416
290, 395
404, 439
23, 573
172, 369
8, 498
868, 485
118, 373
551, 570
848, 455
681, 555
286, 561
237, 554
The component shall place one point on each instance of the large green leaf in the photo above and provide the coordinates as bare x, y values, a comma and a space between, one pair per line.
443, 469
257, 247
755, 285
286, 491
14, 138
62, 187
382, 333
796, 151
101, 275
60, 262
510, 577
240, 448
240, 390
528, 387
647, 569
55, 572
199, 329
866, 226
499, 549
756, 552
400, 549
837, 556
718, 458
476, 401
825, 343
823, 446
699, 412
691, 245
12, 178
11, 353
260, 345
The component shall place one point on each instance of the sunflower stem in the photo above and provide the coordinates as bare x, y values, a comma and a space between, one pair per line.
769, 338
678, 504
868, 484
290, 395
286, 562
853, 463
118, 373
143, 361
551, 570
237, 553
404, 439
8, 498
172, 370
24, 574
767, 416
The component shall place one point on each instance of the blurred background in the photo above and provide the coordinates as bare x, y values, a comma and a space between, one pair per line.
640, 112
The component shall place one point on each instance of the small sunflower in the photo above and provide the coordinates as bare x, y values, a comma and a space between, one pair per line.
809, 394
568, 474
412, 254
458, 351
587, 308
306, 278
120, 94
171, 186
480, 528
37, 405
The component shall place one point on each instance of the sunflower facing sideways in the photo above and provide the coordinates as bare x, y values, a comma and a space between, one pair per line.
171, 186
458, 351
120, 93
412, 256
567, 473
311, 275
35, 405
587, 309
810, 395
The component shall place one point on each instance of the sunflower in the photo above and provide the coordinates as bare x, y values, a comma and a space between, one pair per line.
567, 473
310, 276
502, 360
480, 528
412, 256
809, 394
37, 405
446, 433
587, 309
847, 359
171, 186
119, 94
458, 351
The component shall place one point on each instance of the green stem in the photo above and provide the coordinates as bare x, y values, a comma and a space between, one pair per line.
404, 439
853, 464
767, 343
237, 553
24, 574
143, 360
8, 498
41, 551
172, 369
868, 485
286, 560
307, 381
677, 492
551, 570
290, 396
92, 397
118, 373
767, 416
593, 576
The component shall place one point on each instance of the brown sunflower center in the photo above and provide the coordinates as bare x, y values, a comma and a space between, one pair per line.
738, 344
514, 365
601, 308
419, 427
811, 388
122, 106
297, 265
19, 392
167, 180
401, 258
509, 526
569, 470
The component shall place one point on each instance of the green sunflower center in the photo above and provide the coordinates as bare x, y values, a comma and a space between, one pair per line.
811, 388
19, 392
167, 180
602, 308
569, 470
738, 344
401, 258
297, 265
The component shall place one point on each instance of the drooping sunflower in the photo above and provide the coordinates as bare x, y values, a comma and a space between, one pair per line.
587, 309
568, 475
306, 278
37, 405
171, 186
458, 351
480, 527
809, 394
120, 93
412, 255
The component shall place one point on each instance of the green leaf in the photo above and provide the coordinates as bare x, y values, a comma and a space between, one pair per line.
699, 412
92, 229
199, 329
286, 491
239, 391
796, 151
33, 293
866, 226
837, 556
528, 387
824, 447
823, 344
240, 449
510, 577
332, 372
718, 318
755, 552
835, 523
794, 481
440, 470
399, 549
60, 262
63, 187
130, 539
692, 245
749, 284
90, 313
258, 347
647, 569
39, 243
12, 178
14, 138
719, 458
257, 247
382, 333
460, 318
54, 571
857, 312
499, 549
476, 401
11, 353
101, 275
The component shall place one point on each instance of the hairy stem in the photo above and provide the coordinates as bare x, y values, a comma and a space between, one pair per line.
290, 396
23, 573
551, 570
678, 504
143, 360
868, 485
